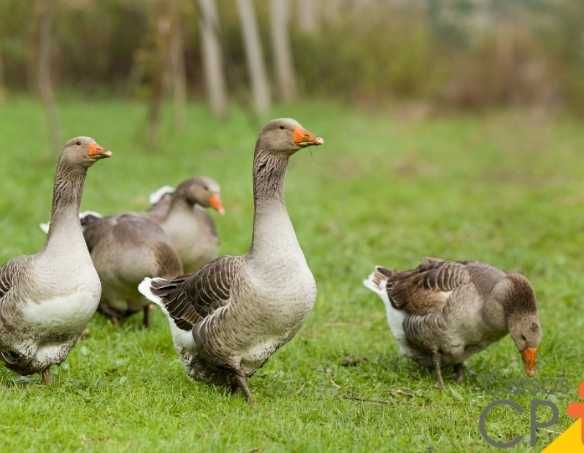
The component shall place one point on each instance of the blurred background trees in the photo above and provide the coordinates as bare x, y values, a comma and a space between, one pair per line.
453, 54
212, 57
40, 62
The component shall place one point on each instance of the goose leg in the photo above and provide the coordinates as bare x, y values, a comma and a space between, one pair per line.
241, 382
438, 368
46, 376
459, 372
146, 318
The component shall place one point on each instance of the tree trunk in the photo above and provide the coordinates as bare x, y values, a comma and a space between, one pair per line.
158, 71
255, 58
45, 11
309, 16
177, 66
2, 86
212, 57
282, 54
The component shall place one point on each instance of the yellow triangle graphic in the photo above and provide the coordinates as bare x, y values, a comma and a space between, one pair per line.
570, 441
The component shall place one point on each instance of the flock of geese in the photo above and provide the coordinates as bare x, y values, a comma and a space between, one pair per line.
228, 315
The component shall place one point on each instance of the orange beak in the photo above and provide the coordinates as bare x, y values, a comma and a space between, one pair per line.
303, 138
94, 151
216, 203
529, 360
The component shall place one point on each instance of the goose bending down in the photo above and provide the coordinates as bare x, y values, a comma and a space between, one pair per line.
47, 299
228, 318
443, 312
181, 212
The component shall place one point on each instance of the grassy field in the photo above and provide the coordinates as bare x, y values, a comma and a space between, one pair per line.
505, 188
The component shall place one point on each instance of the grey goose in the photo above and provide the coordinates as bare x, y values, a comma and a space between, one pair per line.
47, 299
126, 248
181, 212
228, 318
443, 312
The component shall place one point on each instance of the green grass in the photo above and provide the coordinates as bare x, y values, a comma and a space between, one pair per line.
505, 188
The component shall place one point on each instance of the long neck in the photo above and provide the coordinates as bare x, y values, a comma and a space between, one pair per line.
272, 227
67, 191
180, 215
179, 203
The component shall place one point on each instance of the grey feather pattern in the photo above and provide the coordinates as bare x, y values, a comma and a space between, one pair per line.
192, 298
10, 274
420, 291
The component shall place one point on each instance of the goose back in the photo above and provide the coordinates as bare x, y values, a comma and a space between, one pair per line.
125, 249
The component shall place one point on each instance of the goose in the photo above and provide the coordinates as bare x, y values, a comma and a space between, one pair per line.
47, 299
443, 312
125, 249
229, 317
181, 213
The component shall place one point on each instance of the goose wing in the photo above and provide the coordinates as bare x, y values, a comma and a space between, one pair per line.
161, 202
427, 288
191, 298
10, 274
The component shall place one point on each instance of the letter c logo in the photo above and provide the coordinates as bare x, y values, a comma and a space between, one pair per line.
483, 424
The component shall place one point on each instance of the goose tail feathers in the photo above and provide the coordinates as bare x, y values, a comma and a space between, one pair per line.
377, 280
145, 288
157, 195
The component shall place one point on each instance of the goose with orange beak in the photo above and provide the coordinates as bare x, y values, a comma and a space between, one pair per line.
231, 316
47, 299
182, 214
443, 312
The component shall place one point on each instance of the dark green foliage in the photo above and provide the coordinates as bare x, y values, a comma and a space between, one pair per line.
450, 54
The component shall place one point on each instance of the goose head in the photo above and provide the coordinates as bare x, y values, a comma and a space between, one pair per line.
88, 218
523, 321
83, 152
203, 191
286, 136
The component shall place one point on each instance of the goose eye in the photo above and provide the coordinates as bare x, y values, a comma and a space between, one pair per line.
78, 143
282, 127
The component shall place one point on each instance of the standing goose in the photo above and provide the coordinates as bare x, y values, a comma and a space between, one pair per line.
443, 312
125, 249
228, 318
181, 213
47, 299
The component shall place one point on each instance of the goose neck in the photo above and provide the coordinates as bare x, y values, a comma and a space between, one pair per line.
272, 228
67, 191
269, 172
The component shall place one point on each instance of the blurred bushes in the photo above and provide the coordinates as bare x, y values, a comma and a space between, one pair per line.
462, 54
387, 53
